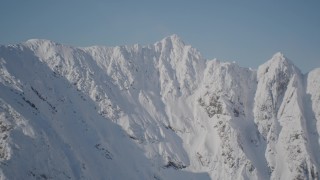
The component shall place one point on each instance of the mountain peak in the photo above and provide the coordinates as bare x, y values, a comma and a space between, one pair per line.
279, 59
39, 41
174, 39
36, 43
278, 63
279, 56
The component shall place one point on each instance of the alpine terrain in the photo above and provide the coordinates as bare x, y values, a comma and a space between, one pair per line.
158, 112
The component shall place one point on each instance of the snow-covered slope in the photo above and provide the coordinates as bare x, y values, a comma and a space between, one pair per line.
153, 112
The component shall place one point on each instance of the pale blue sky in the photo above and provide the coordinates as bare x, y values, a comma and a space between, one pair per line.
246, 31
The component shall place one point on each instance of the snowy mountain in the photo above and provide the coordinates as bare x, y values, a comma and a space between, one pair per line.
153, 112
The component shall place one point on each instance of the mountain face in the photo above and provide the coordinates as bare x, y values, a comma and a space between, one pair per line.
153, 112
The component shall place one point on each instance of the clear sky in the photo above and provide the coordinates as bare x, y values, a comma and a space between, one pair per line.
246, 31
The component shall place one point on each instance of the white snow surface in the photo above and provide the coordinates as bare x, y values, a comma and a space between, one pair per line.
160, 111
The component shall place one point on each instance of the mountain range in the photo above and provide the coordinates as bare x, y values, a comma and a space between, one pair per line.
159, 111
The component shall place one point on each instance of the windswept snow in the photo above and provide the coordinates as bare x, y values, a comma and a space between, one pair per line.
153, 112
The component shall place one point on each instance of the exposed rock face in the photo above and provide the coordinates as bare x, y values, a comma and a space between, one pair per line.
153, 112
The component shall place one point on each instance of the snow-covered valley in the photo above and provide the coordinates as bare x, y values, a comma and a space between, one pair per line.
159, 112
